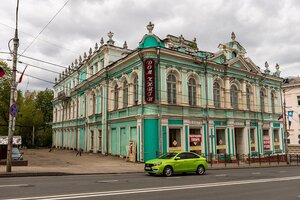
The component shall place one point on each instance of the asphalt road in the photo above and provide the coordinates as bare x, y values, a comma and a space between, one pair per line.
257, 183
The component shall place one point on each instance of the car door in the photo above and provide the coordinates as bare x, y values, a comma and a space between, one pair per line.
182, 162
193, 161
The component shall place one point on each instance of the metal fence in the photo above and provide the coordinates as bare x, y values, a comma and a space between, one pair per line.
250, 160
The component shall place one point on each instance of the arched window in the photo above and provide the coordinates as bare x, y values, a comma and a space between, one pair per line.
234, 97
217, 95
171, 84
74, 109
248, 98
125, 94
233, 54
273, 102
116, 97
135, 90
94, 103
101, 100
262, 101
192, 92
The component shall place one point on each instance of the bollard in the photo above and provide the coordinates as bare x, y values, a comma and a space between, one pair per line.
225, 159
297, 159
278, 159
269, 160
259, 160
238, 159
287, 162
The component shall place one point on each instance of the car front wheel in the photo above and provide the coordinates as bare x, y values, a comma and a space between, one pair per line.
168, 171
200, 170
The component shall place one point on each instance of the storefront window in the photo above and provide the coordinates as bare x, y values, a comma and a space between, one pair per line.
276, 139
195, 140
221, 141
266, 140
252, 140
174, 140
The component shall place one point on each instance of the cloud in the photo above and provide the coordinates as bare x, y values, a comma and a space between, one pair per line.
267, 30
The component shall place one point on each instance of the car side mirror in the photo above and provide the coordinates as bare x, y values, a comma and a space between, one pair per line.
177, 158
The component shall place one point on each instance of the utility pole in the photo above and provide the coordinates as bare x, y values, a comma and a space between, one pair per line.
12, 119
285, 127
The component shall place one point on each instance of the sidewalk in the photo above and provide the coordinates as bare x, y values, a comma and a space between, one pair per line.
61, 162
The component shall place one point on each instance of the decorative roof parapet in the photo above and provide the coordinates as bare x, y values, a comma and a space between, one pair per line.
90, 52
150, 28
277, 73
101, 42
125, 46
233, 36
96, 46
110, 40
80, 59
267, 71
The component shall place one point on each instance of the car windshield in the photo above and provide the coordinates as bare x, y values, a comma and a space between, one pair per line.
15, 151
168, 155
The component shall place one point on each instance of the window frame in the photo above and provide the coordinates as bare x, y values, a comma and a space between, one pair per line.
171, 89
192, 92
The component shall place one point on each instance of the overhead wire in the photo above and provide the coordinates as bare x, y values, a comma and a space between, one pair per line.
44, 27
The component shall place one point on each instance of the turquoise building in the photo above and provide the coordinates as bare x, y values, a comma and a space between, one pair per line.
167, 95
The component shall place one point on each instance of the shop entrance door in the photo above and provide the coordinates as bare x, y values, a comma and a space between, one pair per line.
239, 141
175, 139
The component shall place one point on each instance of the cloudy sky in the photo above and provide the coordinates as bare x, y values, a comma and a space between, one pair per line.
268, 30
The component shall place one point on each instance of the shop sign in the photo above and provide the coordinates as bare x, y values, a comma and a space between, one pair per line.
196, 139
17, 140
149, 74
266, 140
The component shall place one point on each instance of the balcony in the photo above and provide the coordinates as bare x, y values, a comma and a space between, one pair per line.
63, 95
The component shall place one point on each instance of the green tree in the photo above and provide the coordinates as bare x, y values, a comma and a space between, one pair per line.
4, 98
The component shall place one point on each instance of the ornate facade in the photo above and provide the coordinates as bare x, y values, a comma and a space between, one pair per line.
167, 95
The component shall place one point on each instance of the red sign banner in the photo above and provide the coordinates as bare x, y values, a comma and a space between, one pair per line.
266, 140
149, 74
195, 138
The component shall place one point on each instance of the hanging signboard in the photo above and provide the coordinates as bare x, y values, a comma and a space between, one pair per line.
266, 140
149, 74
17, 140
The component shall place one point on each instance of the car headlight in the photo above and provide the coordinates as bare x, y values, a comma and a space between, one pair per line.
156, 164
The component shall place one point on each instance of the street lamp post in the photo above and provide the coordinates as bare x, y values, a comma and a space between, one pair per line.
285, 127
12, 119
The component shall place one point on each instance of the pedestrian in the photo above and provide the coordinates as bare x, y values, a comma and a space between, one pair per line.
79, 152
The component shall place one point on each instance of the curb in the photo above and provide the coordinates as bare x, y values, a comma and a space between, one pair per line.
35, 174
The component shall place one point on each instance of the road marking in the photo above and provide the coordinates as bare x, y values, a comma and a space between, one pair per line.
20, 185
221, 175
256, 173
157, 189
107, 181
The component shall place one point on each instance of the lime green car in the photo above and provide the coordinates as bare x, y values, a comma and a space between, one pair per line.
179, 162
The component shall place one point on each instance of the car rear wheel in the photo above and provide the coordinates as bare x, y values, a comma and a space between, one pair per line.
168, 171
200, 170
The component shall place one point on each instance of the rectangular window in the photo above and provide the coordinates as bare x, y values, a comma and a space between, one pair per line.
252, 139
298, 99
276, 139
99, 140
92, 140
195, 140
175, 140
221, 141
